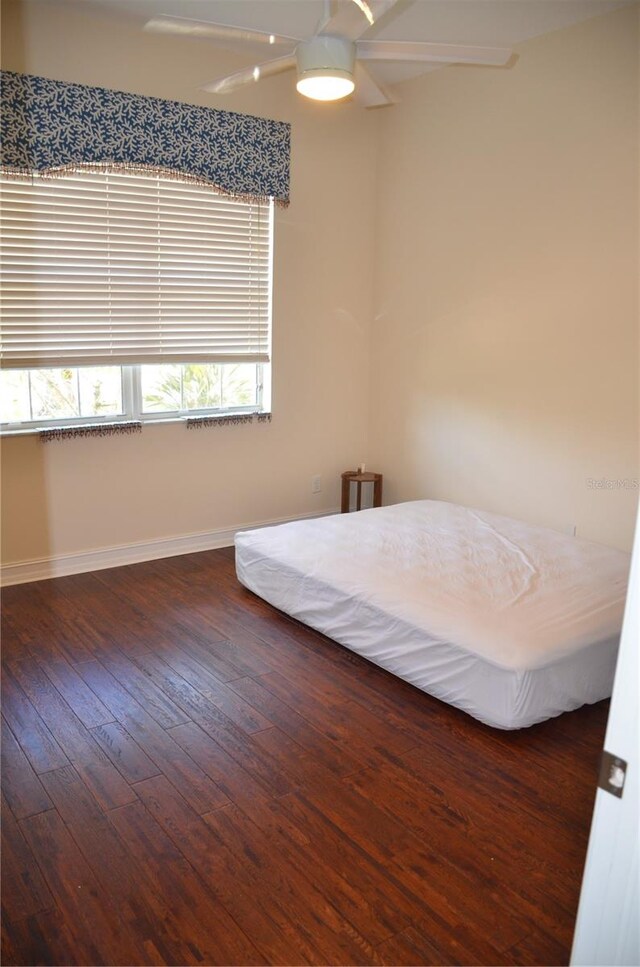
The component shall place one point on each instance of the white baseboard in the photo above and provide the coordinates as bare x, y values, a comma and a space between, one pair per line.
77, 563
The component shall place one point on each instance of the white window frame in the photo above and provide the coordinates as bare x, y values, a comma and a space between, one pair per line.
133, 389
132, 407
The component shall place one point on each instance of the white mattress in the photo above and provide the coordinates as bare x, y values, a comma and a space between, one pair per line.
511, 623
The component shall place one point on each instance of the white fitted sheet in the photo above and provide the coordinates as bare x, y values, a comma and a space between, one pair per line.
511, 623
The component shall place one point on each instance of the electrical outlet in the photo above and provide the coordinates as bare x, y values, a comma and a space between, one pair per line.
316, 484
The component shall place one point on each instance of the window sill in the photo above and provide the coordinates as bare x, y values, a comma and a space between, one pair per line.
195, 421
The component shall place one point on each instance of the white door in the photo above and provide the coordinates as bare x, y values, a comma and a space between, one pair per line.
608, 924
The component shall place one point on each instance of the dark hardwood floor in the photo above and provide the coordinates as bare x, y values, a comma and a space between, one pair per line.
190, 777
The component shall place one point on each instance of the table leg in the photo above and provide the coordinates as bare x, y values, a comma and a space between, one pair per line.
377, 492
345, 495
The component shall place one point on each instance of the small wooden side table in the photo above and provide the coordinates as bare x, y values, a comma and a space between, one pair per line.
352, 476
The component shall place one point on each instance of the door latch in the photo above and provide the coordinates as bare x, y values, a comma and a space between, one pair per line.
613, 771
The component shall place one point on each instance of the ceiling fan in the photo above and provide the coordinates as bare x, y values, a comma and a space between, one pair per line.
331, 64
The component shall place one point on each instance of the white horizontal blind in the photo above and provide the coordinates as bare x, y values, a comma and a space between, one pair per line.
101, 269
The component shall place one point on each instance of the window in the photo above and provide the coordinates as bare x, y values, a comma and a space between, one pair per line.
131, 297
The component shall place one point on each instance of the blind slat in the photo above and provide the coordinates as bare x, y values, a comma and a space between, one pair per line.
112, 268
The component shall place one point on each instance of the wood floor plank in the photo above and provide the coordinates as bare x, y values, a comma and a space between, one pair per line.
24, 891
24, 791
185, 682
565, 844
517, 780
246, 660
459, 941
163, 603
538, 950
210, 654
77, 742
80, 699
45, 938
325, 930
459, 896
109, 858
194, 642
303, 770
346, 723
177, 654
200, 779
211, 617
433, 942
395, 906
370, 917
79, 808
346, 715
94, 606
411, 947
36, 740
55, 626
93, 834
375, 833
155, 742
239, 744
15, 639
333, 755
468, 845
155, 597
124, 752
90, 914
390, 701
228, 774
187, 908
132, 677
253, 910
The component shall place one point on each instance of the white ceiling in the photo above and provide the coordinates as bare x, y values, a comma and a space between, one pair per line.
495, 23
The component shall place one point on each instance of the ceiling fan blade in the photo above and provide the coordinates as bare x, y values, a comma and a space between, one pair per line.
384, 12
438, 53
369, 93
351, 18
249, 75
210, 31
329, 10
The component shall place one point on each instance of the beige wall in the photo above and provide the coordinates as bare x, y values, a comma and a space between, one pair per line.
477, 244
505, 342
85, 494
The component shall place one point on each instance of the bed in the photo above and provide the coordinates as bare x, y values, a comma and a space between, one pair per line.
514, 624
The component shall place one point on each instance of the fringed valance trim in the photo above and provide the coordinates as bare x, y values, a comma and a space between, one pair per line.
227, 419
117, 169
89, 429
49, 126
135, 426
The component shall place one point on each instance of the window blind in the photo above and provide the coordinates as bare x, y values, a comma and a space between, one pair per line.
101, 269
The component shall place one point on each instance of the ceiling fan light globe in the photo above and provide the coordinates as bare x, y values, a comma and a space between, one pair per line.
325, 67
325, 84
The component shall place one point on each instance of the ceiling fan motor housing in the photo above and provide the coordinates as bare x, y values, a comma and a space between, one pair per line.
325, 53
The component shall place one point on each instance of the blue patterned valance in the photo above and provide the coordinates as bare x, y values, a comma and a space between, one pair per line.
51, 126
